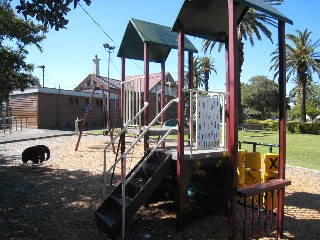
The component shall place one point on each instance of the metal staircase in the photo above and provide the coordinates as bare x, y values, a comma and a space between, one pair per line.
138, 190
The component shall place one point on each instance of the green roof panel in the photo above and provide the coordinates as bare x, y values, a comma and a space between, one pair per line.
160, 39
209, 18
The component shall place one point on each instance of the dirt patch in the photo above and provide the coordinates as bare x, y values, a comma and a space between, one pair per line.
57, 199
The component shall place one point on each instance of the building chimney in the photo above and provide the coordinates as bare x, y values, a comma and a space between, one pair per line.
96, 70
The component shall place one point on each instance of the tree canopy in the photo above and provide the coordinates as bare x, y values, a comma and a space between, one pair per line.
260, 97
303, 60
50, 12
15, 35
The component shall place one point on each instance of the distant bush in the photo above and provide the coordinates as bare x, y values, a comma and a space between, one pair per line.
304, 128
292, 126
270, 125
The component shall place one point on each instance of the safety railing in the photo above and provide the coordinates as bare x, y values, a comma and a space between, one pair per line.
133, 95
221, 96
123, 156
105, 172
255, 144
260, 196
11, 123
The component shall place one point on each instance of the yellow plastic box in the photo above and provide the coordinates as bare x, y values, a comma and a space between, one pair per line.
271, 162
253, 160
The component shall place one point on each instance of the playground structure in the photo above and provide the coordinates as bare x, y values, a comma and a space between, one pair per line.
203, 177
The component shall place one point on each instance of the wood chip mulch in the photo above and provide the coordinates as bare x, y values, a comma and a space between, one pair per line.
58, 198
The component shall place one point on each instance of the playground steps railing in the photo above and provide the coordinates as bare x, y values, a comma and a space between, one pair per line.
263, 216
138, 190
102, 220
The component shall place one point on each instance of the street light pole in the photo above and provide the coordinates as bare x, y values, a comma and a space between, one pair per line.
110, 50
43, 67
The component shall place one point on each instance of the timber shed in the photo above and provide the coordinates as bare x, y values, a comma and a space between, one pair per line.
50, 108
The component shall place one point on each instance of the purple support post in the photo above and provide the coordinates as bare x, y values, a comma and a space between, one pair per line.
180, 150
282, 123
232, 148
146, 93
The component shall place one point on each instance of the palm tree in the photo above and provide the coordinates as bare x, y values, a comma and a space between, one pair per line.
207, 65
252, 25
302, 61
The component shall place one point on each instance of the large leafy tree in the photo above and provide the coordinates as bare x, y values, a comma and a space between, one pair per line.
260, 97
303, 61
15, 35
52, 13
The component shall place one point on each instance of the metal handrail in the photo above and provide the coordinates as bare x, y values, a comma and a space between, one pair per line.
146, 104
132, 144
124, 181
123, 156
219, 95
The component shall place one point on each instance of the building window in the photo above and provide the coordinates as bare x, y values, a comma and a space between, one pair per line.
86, 101
70, 100
88, 83
76, 101
99, 103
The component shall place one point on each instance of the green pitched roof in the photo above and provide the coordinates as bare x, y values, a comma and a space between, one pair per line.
209, 18
160, 39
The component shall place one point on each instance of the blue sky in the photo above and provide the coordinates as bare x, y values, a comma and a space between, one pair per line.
67, 53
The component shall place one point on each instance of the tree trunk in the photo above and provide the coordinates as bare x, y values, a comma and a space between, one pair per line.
302, 80
206, 81
240, 63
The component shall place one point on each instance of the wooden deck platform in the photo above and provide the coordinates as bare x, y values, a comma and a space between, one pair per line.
192, 154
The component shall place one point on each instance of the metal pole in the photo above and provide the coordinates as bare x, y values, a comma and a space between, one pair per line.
108, 94
43, 75
110, 49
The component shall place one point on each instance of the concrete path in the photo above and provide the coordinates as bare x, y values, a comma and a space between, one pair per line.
31, 134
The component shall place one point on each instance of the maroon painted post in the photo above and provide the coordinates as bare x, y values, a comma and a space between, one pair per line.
228, 95
162, 100
123, 136
190, 73
146, 93
232, 147
85, 116
282, 123
180, 150
106, 115
162, 96
190, 84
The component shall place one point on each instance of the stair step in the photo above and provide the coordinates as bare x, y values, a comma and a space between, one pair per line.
118, 199
138, 191
152, 165
107, 218
138, 182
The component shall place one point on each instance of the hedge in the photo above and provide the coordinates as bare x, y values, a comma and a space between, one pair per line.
292, 126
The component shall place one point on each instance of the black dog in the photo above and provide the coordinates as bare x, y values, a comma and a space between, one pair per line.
36, 154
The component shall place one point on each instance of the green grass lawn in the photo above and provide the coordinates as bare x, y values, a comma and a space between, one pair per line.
303, 150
